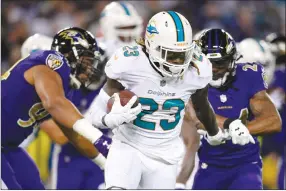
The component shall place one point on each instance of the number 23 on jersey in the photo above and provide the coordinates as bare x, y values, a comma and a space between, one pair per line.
165, 124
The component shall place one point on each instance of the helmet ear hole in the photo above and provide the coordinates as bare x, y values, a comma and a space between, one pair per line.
166, 24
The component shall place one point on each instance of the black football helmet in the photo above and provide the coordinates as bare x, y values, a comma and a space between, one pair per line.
278, 47
82, 52
220, 48
100, 79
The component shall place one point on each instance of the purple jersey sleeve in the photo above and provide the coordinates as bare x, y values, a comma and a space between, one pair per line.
254, 77
54, 60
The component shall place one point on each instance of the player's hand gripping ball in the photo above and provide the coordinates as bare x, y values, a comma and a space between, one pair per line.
125, 96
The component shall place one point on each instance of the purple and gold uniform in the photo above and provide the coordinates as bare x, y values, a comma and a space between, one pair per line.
230, 166
69, 168
21, 111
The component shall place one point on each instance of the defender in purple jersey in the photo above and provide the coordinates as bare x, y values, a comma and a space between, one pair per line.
237, 91
35, 89
70, 169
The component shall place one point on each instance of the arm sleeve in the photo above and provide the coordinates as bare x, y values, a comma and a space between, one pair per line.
55, 61
257, 79
98, 109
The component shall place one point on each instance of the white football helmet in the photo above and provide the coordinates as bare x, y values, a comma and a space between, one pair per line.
36, 42
120, 21
254, 50
168, 40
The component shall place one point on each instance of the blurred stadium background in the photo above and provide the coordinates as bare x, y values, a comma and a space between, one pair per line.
241, 19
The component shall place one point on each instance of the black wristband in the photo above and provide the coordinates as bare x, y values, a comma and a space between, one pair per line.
102, 121
227, 122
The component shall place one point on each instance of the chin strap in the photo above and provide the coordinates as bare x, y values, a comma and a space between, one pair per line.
219, 82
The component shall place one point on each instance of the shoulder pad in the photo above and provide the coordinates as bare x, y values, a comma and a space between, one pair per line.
51, 58
250, 67
252, 72
122, 60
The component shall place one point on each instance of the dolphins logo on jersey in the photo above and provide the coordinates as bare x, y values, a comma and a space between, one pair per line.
74, 36
151, 29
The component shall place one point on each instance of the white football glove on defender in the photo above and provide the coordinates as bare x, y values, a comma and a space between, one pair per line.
239, 133
121, 114
217, 139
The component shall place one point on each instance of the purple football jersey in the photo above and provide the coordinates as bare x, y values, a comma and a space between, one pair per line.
232, 103
21, 106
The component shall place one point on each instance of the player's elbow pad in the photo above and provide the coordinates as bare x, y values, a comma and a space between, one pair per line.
98, 109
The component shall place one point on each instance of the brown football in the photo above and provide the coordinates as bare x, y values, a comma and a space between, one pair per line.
125, 96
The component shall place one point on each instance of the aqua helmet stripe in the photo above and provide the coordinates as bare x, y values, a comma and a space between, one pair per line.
179, 26
125, 8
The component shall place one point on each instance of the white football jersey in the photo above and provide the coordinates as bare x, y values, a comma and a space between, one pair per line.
156, 129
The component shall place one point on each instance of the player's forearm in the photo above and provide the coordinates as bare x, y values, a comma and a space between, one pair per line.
206, 115
187, 167
192, 142
85, 147
267, 118
53, 131
82, 144
204, 111
264, 125
63, 111
66, 115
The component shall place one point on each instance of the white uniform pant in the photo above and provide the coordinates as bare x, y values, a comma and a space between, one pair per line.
126, 167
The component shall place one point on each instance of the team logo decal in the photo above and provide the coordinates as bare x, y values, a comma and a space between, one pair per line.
54, 61
75, 37
151, 29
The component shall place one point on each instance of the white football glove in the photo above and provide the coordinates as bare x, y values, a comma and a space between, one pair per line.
121, 114
239, 133
217, 139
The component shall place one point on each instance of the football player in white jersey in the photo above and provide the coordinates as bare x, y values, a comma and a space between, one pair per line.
120, 24
145, 152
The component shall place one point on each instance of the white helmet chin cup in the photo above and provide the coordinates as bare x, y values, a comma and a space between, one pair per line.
168, 40
219, 82
117, 15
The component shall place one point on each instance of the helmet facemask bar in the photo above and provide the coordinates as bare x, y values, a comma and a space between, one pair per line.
171, 62
85, 62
